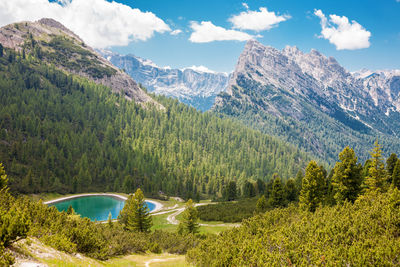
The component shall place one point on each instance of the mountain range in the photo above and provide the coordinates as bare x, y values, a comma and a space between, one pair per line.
312, 101
195, 86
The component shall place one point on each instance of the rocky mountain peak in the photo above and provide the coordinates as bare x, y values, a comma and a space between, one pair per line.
55, 44
196, 85
307, 97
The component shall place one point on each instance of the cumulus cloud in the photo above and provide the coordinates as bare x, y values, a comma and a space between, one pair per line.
246, 6
257, 20
206, 32
98, 22
343, 33
176, 32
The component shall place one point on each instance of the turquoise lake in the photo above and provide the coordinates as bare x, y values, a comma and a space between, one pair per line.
96, 208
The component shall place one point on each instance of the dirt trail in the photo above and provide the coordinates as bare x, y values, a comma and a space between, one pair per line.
147, 263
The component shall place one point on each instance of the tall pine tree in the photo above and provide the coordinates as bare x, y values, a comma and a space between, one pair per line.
313, 187
347, 177
277, 198
377, 175
396, 175
135, 215
190, 217
390, 164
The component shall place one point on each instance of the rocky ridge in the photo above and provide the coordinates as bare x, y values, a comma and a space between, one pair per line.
197, 87
57, 45
306, 97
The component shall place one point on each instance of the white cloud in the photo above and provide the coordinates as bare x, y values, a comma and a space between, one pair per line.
257, 20
246, 6
176, 32
343, 33
98, 22
206, 32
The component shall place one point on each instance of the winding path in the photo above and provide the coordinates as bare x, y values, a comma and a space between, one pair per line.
147, 263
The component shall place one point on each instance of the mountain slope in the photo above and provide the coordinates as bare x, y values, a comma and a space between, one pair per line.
61, 132
194, 86
55, 44
308, 100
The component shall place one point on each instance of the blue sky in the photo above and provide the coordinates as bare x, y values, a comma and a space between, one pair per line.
363, 34
380, 17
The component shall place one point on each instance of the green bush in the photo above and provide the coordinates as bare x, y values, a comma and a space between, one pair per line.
228, 211
60, 242
366, 233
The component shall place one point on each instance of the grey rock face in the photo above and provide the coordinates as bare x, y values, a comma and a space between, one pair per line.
197, 88
306, 98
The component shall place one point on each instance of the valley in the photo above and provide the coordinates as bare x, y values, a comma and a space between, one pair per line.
110, 160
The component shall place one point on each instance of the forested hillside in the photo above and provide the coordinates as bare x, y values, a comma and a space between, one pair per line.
63, 133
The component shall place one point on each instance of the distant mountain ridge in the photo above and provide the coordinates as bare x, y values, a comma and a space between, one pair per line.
196, 86
312, 101
57, 45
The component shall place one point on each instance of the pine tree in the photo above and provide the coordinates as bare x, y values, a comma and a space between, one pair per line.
299, 179
260, 186
249, 190
390, 164
277, 198
396, 175
312, 189
377, 175
261, 205
231, 191
135, 215
1, 50
347, 178
190, 217
291, 192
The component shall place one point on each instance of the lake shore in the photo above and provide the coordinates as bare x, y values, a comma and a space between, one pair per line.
158, 205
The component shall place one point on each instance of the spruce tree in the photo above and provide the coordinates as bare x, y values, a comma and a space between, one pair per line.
299, 179
260, 186
277, 198
249, 190
377, 175
231, 191
390, 164
135, 215
1, 50
291, 190
396, 175
190, 217
312, 188
347, 178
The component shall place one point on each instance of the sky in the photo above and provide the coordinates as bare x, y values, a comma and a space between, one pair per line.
212, 33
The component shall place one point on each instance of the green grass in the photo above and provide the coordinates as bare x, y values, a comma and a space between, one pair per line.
160, 223
140, 260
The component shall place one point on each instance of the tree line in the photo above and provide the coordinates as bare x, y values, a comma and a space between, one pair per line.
63, 133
